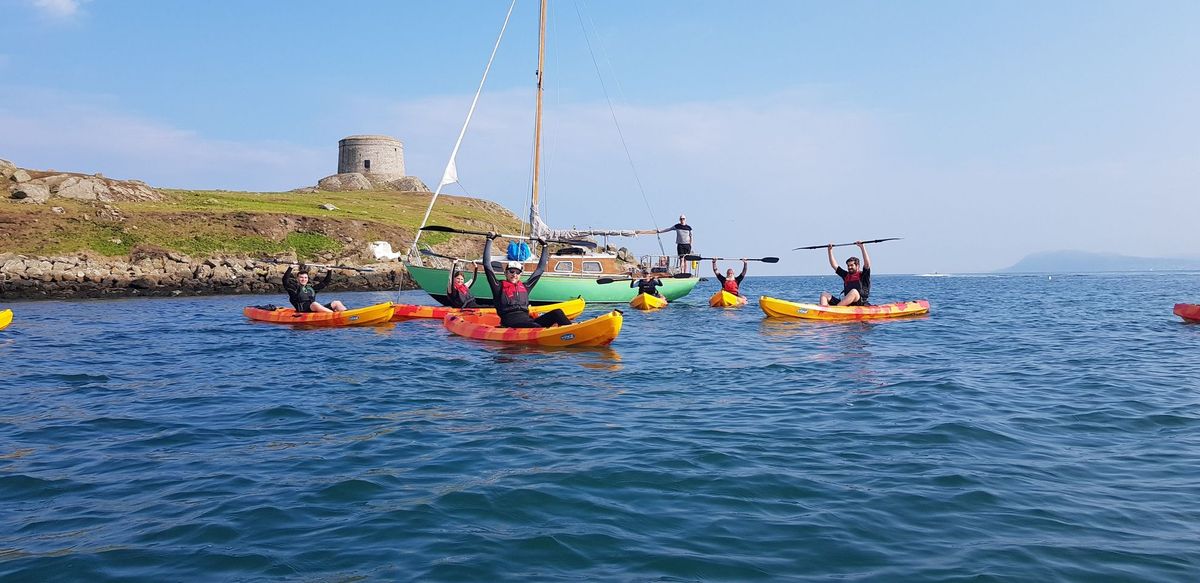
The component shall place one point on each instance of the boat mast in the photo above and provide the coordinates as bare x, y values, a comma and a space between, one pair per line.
537, 124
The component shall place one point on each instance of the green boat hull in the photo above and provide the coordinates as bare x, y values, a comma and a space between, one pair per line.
551, 288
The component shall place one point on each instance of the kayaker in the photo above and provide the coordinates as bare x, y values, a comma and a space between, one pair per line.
856, 280
647, 284
304, 295
458, 290
511, 296
730, 283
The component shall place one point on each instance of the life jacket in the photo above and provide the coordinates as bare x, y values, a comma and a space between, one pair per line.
731, 285
648, 286
305, 296
852, 281
460, 296
513, 298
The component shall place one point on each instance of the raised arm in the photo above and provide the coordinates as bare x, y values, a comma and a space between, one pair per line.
866, 258
453, 274
715, 272
474, 276
487, 266
745, 266
289, 280
541, 268
324, 282
832, 262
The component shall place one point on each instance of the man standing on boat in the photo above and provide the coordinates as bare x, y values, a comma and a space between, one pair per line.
683, 241
856, 283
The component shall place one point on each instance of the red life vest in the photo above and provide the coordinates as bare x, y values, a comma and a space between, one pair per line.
515, 297
462, 289
731, 286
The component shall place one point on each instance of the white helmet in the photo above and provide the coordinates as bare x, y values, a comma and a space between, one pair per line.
515, 265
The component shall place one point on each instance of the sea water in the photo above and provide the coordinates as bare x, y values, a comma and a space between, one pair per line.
1029, 429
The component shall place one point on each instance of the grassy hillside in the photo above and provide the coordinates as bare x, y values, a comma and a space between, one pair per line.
208, 223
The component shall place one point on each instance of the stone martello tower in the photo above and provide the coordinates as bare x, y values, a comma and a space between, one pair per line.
377, 156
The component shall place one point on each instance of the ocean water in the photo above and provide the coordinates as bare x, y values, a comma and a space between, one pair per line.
1030, 429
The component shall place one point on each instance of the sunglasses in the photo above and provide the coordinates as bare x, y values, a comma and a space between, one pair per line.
513, 270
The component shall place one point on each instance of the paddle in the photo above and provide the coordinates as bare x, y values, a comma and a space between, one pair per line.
441, 229
604, 280
319, 265
699, 258
847, 244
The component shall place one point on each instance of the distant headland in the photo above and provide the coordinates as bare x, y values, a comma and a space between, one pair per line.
1084, 261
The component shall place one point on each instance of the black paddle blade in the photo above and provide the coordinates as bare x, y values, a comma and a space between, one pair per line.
692, 257
846, 244
681, 276
439, 229
604, 280
770, 260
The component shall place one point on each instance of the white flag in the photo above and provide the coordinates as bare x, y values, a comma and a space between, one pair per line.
451, 175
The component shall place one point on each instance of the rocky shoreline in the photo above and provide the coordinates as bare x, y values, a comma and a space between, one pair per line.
169, 274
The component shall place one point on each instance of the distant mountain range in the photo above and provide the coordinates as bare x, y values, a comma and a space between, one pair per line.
1083, 261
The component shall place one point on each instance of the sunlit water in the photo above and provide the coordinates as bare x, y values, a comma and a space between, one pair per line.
1029, 429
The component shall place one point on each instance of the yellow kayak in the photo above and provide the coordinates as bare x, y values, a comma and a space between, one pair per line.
724, 299
777, 308
599, 331
5, 318
647, 302
572, 309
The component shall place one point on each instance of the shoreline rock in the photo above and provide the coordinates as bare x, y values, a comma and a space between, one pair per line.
168, 274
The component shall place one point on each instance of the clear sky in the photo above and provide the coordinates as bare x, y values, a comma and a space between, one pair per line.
978, 131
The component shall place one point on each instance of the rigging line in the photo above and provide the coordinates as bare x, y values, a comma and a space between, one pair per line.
450, 175
621, 134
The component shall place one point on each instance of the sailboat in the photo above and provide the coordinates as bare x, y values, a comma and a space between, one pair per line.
571, 272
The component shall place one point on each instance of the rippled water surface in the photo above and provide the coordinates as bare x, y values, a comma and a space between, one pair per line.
1029, 429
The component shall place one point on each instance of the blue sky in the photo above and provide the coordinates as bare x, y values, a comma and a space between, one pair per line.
978, 131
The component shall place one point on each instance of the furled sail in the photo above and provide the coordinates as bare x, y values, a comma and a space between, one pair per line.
540, 230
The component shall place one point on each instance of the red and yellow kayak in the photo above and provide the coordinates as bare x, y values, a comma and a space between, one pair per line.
1189, 312
647, 302
376, 314
5, 318
776, 308
724, 299
572, 308
599, 331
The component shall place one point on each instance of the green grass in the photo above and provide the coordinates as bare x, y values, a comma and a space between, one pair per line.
110, 241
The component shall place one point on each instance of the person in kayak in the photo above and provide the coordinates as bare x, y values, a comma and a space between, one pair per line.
458, 290
511, 296
647, 284
730, 283
303, 295
856, 280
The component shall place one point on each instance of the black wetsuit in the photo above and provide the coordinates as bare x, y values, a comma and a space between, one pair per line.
738, 279
303, 296
647, 285
512, 300
460, 298
860, 280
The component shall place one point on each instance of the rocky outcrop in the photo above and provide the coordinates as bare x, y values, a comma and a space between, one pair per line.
38, 187
351, 181
164, 273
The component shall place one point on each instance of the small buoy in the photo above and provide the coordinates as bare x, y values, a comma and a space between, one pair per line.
1049, 277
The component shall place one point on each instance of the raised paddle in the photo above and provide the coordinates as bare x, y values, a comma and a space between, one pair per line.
699, 258
604, 280
847, 244
441, 229
319, 265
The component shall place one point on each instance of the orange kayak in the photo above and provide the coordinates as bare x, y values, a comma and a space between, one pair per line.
1189, 312
647, 302
572, 308
777, 308
599, 331
724, 299
359, 317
